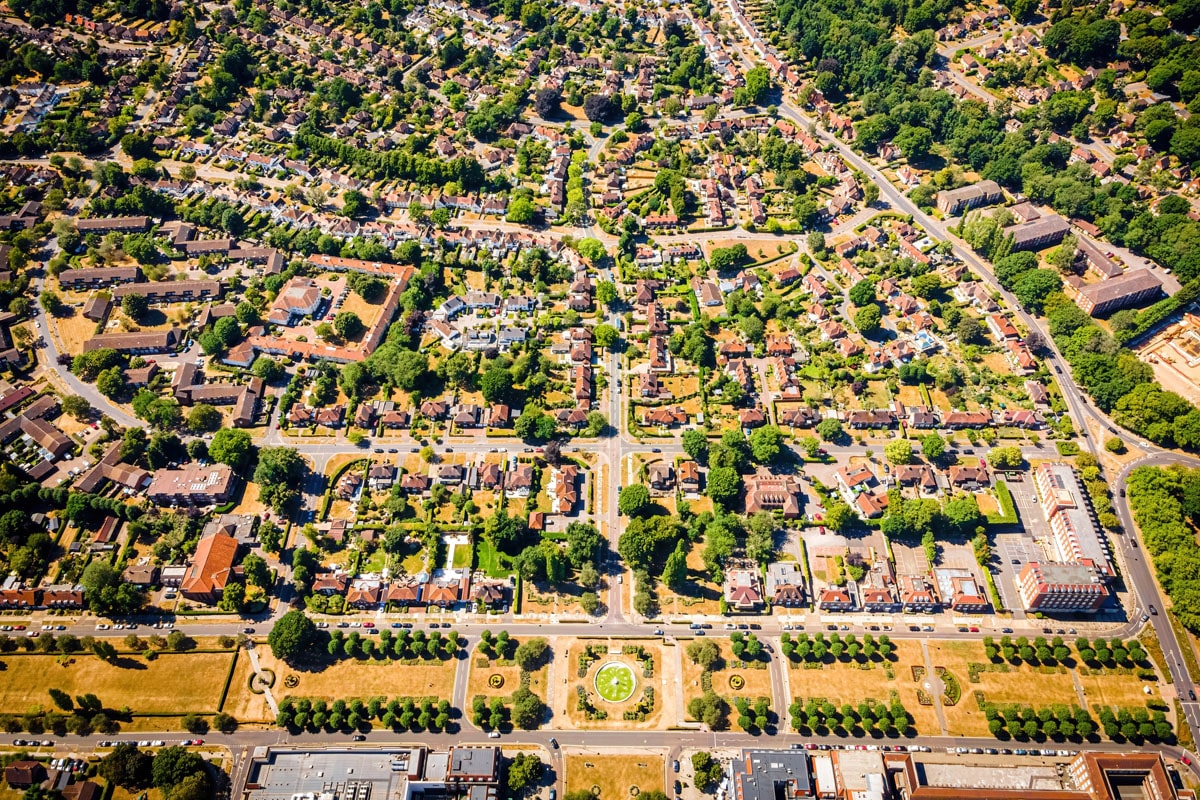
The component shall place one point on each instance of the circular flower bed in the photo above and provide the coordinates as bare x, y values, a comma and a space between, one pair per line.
737, 682
495, 680
291, 681
615, 682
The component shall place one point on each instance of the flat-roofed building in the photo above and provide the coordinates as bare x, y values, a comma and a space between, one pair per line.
1071, 588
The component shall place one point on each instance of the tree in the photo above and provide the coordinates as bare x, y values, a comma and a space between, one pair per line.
530, 653
914, 141
135, 305
521, 210
1005, 458
76, 406
862, 294
598, 107
830, 429
62, 699
766, 444
279, 473
606, 293
203, 418
525, 771
126, 766
292, 637
172, 765
703, 653
1034, 286
969, 330
838, 515
546, 103
1115, 445
868, 320
528, 710
231, 446
695, 444
267, 368
933, 446
633, 500
194, 723
898, 451
675, 569
496, 384
724, 485
605, 335
347, 325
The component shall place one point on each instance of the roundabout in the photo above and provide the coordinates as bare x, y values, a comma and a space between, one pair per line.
615, 682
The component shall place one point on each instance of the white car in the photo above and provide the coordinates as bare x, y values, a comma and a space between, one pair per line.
494, 735
102, 627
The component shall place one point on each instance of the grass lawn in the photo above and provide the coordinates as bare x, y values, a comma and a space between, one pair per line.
244, 705
352, 678
611, 777
491, 561
615, 682
844, 683
173, 682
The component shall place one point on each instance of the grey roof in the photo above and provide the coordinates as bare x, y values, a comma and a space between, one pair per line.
769, 769
1131, 283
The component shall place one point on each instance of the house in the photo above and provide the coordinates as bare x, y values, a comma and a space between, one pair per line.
363, 594
751, 418
969, 477
873, 418
664, 416
785, 584
835, 599
918, 476
855, 477
957, 420
210, 569
415, 484
518, 482
959, 589
24, 774
689, 476
798, 416
766, 491
563, 489
381, 476
743, 590
660, 476
917, 594
492, 594
1038, 233
1002, 327
871, 504
298, 299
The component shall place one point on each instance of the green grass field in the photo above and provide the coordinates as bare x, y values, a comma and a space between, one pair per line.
615, 682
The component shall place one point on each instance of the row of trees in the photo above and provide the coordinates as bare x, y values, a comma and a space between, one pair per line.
1040, 650
1049, 722
1166, 507
817, 648
403, 644
398, 714
818, 715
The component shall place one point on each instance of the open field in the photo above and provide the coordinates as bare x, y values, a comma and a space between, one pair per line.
757, 681
174, 682
1054, 686
477, 680
845, 683
566, 697
241, 703
352, 678
614, 776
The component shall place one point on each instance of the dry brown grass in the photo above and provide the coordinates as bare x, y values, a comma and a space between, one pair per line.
173, 682
241, 703
73, 331
966, 719
757, 681
843, 683
477, 681
702, 596
614, 775
1111, 689
566, 696
352, 678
